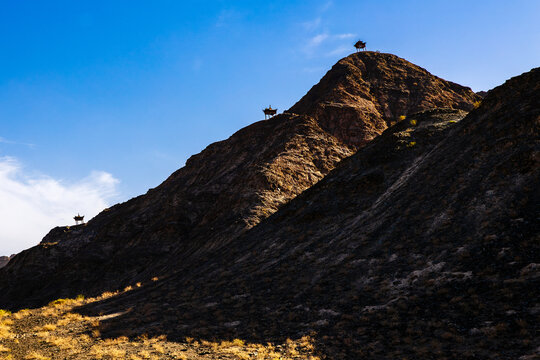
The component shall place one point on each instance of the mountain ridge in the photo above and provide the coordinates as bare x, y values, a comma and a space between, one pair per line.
372, 261
367, 91
220, 193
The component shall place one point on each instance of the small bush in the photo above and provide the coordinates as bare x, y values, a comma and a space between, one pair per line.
402, 117
36, 356
413, 122
58, 302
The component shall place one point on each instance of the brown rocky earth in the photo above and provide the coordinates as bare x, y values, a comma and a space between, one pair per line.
424, 244
4, 260
367, 91
229, 187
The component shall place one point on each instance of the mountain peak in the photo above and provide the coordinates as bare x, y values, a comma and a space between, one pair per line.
367, 91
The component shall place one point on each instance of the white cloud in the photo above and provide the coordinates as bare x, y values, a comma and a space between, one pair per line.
327, 5
344, 36
31, 205
10, 142
340, 50
313, 43
326, 44
312, 25
317, 40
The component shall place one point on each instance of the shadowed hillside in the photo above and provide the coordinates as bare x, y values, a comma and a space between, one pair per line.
226, 189
424, 244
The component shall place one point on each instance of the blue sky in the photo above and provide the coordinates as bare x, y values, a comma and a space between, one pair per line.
102, 100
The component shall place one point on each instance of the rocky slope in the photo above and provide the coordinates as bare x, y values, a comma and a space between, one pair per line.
4, 260
424, 244
229, 187
366, 91
224, 190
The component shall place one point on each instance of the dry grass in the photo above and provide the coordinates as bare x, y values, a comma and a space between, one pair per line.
36, 356
59, 332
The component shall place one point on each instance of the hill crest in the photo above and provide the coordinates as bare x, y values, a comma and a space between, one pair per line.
366, 92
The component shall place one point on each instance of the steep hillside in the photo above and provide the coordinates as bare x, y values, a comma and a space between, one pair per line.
365, 92
424, 244
223, 191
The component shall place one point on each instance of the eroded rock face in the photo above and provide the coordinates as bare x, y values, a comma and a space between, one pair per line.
365, 92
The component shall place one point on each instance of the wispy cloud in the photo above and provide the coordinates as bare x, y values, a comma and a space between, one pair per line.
31, 205
11, 142
340, 50
312, 25
327, 5
344, 36
317, 40
327, 44
313, 43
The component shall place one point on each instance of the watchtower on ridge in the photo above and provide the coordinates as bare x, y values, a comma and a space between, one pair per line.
269, 112
79, 219
360, 45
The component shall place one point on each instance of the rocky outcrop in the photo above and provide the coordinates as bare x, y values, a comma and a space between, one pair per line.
482, 94
4, 260
367, 91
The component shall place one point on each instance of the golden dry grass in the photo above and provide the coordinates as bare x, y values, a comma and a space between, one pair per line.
57, 331
36, 356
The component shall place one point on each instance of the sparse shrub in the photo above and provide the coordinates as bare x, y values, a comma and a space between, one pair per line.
158, 348
477, 104
238, 342
413, 122
402, 117
49, 327
58, 302
21, 313
36, 356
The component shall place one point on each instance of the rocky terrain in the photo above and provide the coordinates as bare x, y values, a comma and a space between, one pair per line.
226, 189
421, 243
4, 260
363, 94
